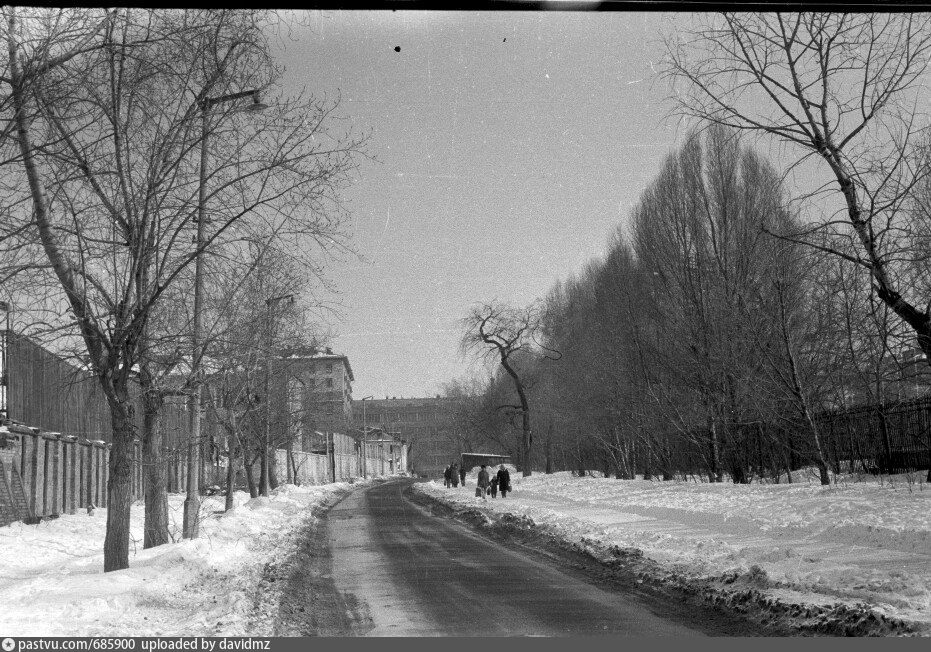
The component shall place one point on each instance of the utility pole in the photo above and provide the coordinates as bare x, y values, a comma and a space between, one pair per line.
364, 431
191, 522
265, 479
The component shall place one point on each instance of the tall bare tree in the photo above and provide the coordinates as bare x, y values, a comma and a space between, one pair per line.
499, 331
697, 230
846, 90
108, 116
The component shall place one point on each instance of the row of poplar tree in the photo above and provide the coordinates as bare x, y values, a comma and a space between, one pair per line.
733, 308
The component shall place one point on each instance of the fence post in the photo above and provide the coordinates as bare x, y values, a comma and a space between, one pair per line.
89, 474
56, 455
33, 473
67, 475
104, 456
98, 476
46, 445
79, 469
74, 476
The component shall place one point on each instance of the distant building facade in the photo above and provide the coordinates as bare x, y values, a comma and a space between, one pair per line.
427, 425
312, 393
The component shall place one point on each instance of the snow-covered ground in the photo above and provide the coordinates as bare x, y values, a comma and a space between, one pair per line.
52, 581
857, 541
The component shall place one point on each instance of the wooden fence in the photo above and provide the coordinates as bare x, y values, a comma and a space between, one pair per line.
47, 392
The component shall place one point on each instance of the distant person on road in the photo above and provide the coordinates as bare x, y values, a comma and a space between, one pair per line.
494, 487
462, 474
454, 475
447, 482
483, 481
504, 481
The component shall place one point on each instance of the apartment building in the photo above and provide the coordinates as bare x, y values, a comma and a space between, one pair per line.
427, 425
313, 392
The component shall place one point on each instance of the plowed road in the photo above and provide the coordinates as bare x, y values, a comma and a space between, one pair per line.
390, 568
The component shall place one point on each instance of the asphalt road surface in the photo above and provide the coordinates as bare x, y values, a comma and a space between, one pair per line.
397, 570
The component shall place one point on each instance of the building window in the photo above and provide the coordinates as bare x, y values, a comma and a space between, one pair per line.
329, 382
329, 367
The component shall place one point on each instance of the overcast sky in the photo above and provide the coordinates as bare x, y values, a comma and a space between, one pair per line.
511, 145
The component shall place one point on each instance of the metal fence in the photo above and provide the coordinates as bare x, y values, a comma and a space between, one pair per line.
883, 438
876, 438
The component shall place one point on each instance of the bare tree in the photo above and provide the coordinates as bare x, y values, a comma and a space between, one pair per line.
107, 117
697, 231
844, 89
498, 330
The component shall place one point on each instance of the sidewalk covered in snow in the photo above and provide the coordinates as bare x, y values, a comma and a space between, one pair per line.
862, 540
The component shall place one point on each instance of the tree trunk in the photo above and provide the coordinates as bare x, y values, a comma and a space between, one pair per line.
527, 440
289, 461
578, 456
647, 461
156, 472
272, 469
549, 450
250, 478
292, 468
231, 471
263, 479
716, 473
119, 487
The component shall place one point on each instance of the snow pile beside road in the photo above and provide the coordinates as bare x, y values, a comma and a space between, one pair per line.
52, 581
858, 541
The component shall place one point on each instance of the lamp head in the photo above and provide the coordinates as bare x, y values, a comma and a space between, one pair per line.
257, 104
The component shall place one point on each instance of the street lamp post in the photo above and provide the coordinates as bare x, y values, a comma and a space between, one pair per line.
364, 428
5, 343
265, 479
191, 523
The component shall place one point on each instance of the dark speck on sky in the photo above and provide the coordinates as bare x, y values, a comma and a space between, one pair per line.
497, 172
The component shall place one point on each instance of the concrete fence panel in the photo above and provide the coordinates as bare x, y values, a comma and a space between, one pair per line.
45, 474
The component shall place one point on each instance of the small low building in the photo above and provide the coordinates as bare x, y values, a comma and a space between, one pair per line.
473, 460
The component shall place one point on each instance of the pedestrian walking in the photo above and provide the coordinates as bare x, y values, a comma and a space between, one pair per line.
454, 475
504, 481
483, 481
447, 482
462, 474
494, 486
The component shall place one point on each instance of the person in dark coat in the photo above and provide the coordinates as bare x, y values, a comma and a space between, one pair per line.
454, 475
494, 486
447, 482
462, 475
483, 480
504, 481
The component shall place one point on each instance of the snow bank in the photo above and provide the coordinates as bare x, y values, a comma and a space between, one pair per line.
52, 581
856, 541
